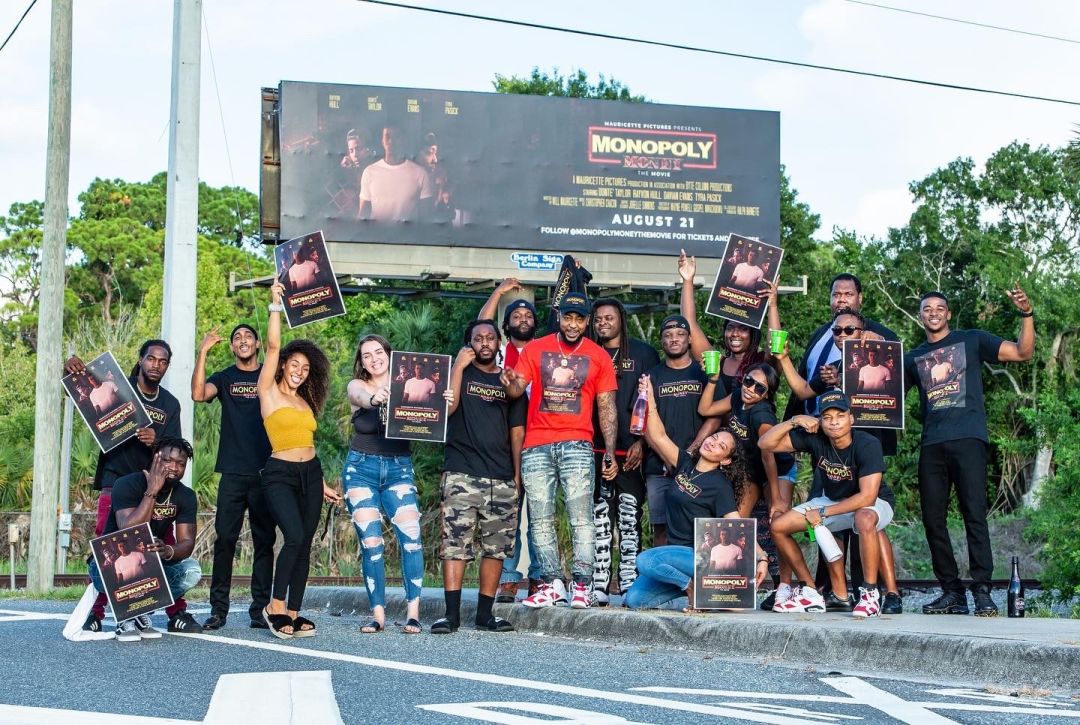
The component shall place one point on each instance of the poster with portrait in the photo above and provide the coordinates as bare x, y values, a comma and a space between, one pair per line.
311, 288
416, 409
724, 564
745, 268
873, 380
134, 578
106, 401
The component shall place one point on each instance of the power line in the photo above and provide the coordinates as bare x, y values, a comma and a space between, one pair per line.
27, 12
729, 54
962, 21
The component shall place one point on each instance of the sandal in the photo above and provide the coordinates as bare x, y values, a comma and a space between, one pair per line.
494, 624
277, 623
372, 627
298, 627
413, 626
443, 626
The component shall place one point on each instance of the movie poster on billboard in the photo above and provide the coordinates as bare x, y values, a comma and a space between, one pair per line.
746, 266
724, 564
133, 576
106, 401
416, 409
873, 380
311, 288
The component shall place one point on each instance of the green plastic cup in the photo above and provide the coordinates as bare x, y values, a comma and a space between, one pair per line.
777, 341
711, 359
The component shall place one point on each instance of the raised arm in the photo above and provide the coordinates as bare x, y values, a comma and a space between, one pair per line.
777, 440
202, 391
491, 307
708, 406
464, 359
1024, 347
273, 340
799, 387
699, 343
655, 434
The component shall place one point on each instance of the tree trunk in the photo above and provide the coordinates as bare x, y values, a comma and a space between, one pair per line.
1045, 456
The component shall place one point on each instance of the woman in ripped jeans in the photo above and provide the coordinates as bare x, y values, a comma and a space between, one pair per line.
378, 479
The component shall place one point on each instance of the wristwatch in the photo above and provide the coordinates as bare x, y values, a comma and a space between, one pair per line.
821, 513
275, 308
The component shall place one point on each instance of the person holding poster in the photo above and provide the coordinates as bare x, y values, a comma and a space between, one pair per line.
706, 486
378, 478
558, 445
159, 498
947, 370
292, 388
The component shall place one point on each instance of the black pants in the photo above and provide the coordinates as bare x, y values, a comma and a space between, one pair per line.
962, 464
238, 494
622, 514
294, 495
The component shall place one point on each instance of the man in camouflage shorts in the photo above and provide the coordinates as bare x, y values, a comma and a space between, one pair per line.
481, 475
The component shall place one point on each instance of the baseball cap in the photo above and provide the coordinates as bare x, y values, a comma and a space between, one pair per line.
517, 305
833, 399
574, 302
672, 321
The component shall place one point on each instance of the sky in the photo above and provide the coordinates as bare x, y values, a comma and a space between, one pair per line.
851, 145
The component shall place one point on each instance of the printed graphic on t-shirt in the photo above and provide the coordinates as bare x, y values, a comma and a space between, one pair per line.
156, 414
687, 485
739, 429
487, 393
163, 512
563, 376
834, 471
244, 390
942, 373
680, 389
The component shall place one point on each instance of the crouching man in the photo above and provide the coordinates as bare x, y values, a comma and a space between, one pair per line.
848, 465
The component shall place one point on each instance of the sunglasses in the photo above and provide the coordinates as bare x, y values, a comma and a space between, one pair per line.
758, 387
848, 331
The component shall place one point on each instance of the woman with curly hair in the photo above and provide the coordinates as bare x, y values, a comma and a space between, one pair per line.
292, 388
378, 480
705, 487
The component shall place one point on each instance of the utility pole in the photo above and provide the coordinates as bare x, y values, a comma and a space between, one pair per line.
182, 208
41, 561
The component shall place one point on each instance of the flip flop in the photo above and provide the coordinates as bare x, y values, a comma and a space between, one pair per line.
298, 627
276, 622
414, 624
372, 627
494, 624
443, 626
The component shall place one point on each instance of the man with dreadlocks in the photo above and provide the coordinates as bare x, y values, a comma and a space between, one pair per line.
134, 455
617, 504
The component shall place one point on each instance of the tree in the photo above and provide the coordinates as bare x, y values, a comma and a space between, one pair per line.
577, 85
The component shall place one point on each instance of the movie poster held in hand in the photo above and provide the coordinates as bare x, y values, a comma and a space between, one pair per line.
106, 401
747, 265
725, 558
311, 288
134, 577
417, 409
873, 379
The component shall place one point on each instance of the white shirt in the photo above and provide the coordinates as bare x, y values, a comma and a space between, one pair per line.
725, 556
874, 377
128, 566
418, 390
746, 275
104, 396
394, 192
303, 274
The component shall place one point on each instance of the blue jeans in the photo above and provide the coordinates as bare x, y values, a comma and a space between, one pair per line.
376, 485
510, 573
543, 469
181, 576
664, 573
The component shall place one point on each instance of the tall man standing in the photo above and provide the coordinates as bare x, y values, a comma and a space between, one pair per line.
954, 441
558, 445
243, 448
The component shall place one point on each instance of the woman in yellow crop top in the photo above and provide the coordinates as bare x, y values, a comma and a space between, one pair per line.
293, 385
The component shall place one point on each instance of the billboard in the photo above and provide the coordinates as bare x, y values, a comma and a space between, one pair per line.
537, 175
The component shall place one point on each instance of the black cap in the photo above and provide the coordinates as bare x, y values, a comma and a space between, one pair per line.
517, 305
672, 321
574, 302
833, 399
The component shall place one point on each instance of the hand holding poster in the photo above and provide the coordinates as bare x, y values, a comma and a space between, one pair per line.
747, 265
311, 288
132, 574
417, 409
106, 401
873, 379
724, 564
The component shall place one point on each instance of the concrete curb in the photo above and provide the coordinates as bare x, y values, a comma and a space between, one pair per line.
897, 644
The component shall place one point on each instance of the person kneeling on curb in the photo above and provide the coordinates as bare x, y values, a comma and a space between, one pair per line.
847, 467
704, 487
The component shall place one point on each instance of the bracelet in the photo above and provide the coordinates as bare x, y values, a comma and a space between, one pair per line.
275, 307
149, 495
171, 552
763, 559
1029, 313
371, 401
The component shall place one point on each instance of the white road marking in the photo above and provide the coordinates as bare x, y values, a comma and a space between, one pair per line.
904, 711
1009, 700
486, 712
800, 712
748, 695
20, 715
29, 616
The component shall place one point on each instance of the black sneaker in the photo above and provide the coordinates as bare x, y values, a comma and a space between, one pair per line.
258, 624
891, 603
834, 603
214, 621
92, 623
984, 603
184, 623
948, 603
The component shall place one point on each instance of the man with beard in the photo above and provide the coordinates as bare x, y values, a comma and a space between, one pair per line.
481, 475
242, 450
558, 446
677, 385
159, 498
519, 326
617, 506
134, 454
954, 441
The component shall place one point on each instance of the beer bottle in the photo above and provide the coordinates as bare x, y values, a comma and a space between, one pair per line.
1016, 590
637, 417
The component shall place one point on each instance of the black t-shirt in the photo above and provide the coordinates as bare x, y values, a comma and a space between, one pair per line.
837, 470
641, 356
744, 424
948, 374
243, 446
695, 495
177, 505
369, 435
478, 433
132, 455
677, 393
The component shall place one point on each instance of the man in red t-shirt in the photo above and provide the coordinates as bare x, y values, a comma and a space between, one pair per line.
569, 374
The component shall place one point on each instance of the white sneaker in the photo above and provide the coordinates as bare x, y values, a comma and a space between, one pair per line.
803, 599
127, 632
580, 598
548, 595
598, 598
784, 592
146, 627
869, 603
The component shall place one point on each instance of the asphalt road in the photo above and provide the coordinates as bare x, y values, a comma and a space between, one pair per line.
467, 677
